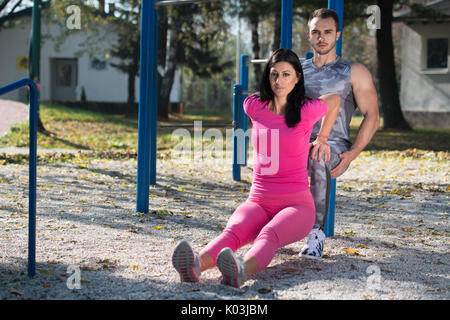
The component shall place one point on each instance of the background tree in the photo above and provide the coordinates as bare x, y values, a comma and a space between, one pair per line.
193, 33
390, 101
127, 48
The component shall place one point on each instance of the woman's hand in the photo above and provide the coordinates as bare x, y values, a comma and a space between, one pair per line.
320, 147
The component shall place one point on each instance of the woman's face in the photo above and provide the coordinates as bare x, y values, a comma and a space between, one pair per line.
283, 78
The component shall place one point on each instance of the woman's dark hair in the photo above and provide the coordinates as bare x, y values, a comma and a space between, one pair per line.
296, 97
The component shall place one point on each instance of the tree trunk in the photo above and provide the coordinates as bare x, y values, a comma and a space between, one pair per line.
277, 31
254, 23
165, 80
390, 102
131, 86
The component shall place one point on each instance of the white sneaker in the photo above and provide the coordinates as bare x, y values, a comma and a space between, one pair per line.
313, 249
231, 267
186, 262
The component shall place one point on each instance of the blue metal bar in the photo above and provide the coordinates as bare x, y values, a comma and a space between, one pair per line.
338, 6
286, 24
329, 222
154, 101
237, 118
146, 171
32, 168
244, 117
309, 55
176, 2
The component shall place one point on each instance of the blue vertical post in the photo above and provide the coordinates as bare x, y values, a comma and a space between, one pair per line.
32, 177
237, 118
244, 84
329, 222
338, 6
146, 171
286, 24
33, 119
154, 100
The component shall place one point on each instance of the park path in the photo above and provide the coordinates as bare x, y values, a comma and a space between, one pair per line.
11, 113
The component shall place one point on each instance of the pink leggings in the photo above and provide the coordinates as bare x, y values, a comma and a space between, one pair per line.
270, 222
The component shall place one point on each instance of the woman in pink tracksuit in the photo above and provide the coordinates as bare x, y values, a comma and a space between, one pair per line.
280, 209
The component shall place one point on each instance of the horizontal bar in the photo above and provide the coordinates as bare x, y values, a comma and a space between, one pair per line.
259, 60
207, 125
175, 2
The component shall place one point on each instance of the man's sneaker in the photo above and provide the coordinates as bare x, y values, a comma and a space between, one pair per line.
231, 267
186, 262
314, 246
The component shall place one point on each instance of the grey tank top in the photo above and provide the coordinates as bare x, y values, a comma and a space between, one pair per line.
332, 78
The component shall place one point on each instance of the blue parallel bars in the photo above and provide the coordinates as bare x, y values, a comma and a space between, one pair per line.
286, 24
146, 168
244, 84
237, 121
329, 222
338, 6
33, 118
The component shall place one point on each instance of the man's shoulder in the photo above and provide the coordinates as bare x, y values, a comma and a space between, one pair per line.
306, 63
360, 72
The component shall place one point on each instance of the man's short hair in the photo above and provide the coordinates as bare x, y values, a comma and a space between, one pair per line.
324, 13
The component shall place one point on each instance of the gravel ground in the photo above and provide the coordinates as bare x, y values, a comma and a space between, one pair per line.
391, 239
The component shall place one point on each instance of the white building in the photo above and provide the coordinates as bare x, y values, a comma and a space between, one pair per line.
425, 72
65, 75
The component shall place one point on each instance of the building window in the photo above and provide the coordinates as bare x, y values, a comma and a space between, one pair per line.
98, 64
437, 53
64, 75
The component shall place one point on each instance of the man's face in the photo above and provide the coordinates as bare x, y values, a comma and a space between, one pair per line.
322, 35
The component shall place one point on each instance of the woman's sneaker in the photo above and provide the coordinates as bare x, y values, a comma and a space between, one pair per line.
186, 262
314, 247
231, 267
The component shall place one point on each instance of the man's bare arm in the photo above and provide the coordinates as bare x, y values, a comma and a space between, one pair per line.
367, 101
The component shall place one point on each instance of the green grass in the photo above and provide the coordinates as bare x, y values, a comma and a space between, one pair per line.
77, 129
99, 132
86, 130
390, 140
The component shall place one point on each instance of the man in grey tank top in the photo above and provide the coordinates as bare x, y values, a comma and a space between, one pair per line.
331, 155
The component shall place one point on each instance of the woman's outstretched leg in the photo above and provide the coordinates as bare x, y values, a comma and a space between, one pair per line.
242, 228
290, 225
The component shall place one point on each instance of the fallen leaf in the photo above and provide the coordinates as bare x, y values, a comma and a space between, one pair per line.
87, 268
291, 270
159, 227
16, 292
135, 267
351, 251
265, 290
